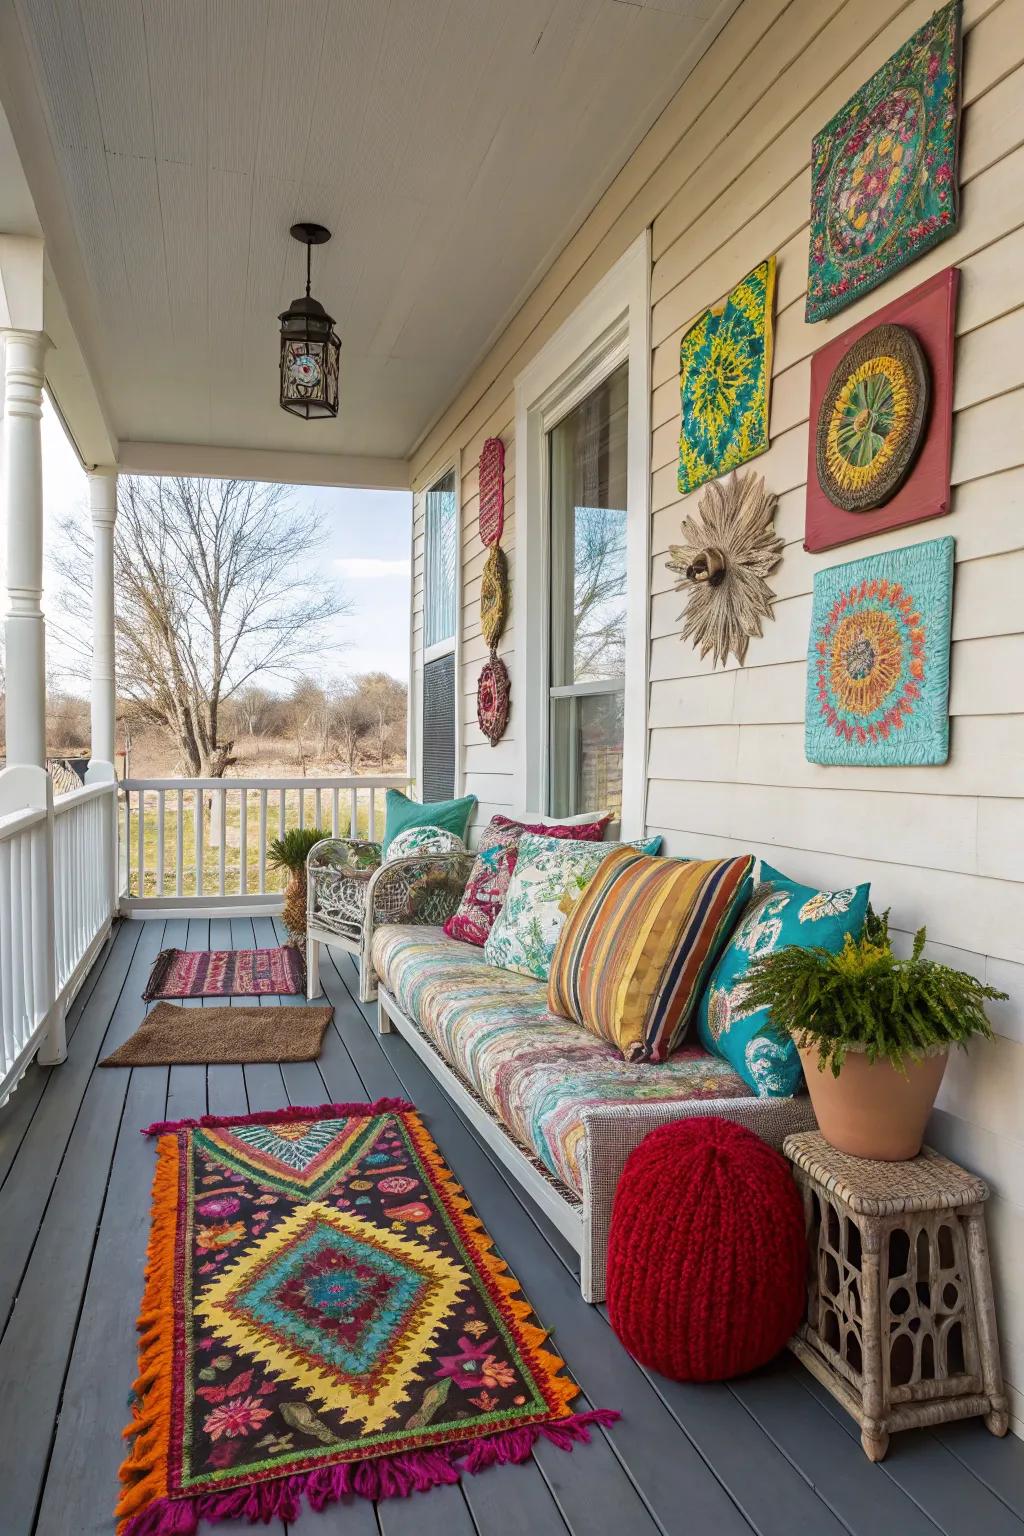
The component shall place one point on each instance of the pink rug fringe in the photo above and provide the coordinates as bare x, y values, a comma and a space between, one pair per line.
279, 1116
386, 1477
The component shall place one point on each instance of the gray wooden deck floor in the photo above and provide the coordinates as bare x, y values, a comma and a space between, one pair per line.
770, 1453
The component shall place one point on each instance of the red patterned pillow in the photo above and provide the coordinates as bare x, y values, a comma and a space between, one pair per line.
485, 890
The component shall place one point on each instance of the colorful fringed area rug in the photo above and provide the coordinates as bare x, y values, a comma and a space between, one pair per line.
324, 1315
227, 973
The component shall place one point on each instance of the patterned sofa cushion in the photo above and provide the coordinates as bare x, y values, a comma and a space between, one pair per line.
535, 1072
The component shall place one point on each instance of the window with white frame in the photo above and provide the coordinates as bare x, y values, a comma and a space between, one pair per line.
582, 555
587, 478
440, 623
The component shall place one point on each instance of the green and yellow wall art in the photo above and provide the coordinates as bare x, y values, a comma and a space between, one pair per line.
725, 371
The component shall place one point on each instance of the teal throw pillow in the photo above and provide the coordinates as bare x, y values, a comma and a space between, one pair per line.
780, 912
402, 813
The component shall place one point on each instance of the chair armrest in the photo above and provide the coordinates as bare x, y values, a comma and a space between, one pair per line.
423, 888
346, 853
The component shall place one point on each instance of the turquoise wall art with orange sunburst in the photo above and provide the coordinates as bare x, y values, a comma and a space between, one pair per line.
878, 658
725, 371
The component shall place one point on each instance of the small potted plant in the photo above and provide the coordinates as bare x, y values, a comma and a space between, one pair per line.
874, 1033
290, 853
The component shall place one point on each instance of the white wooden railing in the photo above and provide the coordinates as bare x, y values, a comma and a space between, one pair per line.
57, 898
201, 844
84, 879
25, 986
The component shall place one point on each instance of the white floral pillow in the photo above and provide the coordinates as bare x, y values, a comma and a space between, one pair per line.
549, 878
416, 840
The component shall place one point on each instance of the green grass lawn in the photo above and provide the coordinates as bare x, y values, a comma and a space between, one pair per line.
275, 880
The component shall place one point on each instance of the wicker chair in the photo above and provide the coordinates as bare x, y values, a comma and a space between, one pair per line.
351, 889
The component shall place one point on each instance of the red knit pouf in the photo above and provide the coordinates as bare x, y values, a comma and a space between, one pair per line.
707, 1259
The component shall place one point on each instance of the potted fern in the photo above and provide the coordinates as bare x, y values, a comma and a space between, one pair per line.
290, 853
873, 1031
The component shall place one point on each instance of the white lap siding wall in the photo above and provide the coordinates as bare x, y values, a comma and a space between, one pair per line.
723, 179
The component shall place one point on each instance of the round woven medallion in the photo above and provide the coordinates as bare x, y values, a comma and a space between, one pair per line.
872, 419
492, 490
494, 596
492, 699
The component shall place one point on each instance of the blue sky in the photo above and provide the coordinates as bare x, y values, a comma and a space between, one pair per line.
366, 548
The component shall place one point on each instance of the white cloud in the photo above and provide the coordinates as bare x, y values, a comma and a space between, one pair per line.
369, 568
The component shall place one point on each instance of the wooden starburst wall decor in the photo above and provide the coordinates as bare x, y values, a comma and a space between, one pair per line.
731, 546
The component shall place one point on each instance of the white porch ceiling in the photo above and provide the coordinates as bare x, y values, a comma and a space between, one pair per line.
452, 146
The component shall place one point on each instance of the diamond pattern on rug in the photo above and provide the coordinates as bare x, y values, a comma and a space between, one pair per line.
338, 1306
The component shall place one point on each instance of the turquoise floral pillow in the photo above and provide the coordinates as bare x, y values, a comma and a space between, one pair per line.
549, 878
780, 912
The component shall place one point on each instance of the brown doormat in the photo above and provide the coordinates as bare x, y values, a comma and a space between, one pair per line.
172, 1036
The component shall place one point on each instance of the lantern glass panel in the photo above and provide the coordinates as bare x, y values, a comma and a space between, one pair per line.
309, 375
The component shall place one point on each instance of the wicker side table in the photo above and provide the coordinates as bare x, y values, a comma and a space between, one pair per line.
900, 1322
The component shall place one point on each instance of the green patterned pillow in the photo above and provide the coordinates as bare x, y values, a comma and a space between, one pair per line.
781, 912
423, 840
549, 878
449, 815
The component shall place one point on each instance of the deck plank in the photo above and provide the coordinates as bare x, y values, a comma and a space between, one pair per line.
17, 1114
81, 1486
35, 1352
27, 1189
920, 1467
984, 1456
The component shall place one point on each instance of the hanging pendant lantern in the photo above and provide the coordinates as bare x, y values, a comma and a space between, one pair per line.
310, 350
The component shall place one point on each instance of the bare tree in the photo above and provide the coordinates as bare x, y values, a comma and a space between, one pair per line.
351, 722
599, 592
212, 579
309, 721
384, 698
253, 708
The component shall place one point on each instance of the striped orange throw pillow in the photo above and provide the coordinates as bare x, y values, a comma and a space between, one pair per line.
636, 952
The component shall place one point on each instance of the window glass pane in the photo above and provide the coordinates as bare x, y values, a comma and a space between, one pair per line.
586, 759
441, 554
588, 537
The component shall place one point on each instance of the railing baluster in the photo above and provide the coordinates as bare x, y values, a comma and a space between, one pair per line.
160, 796
317, 807
8, 1003
263, 842
353, 814
334, 811
243, 846
142, 842
179, 845
373, 815
222, 809
198, 830
280, 813
302, 807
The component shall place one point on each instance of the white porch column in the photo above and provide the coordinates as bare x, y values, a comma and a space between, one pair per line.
103, 505
24, 354
25, 781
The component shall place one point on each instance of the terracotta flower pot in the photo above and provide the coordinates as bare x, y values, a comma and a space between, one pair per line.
871, 1109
